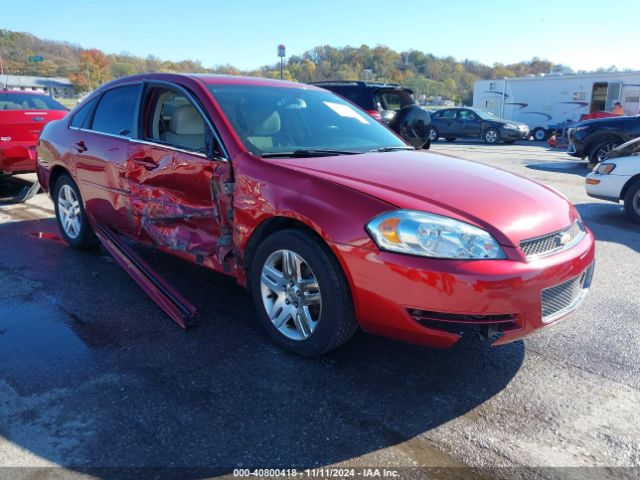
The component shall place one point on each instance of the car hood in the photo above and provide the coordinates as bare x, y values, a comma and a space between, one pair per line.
606, 121
511, 207
502, 123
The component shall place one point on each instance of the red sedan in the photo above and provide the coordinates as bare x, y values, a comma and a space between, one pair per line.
330, 219
22, 117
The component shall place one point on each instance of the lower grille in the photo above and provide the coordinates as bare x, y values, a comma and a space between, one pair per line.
561, 299
464, 324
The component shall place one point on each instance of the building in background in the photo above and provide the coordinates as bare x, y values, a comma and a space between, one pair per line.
56, 87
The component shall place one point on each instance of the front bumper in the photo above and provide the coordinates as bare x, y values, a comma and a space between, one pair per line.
510, 134
605, 187
575, 146
389, 289
18, 157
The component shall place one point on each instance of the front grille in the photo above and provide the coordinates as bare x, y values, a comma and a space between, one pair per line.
559, 300
554, 242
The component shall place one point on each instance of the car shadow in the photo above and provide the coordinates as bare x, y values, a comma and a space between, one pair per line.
97, 379
578, 168
609, 223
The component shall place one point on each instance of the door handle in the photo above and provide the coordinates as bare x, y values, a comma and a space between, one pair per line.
80, 146
146, 162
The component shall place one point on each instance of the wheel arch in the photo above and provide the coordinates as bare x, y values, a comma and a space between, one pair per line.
599, 138
56, 172
278, 223
627, 186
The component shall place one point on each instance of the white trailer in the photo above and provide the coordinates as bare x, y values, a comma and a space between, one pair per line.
543, 102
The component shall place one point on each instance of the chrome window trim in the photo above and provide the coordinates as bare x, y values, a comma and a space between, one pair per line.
162, 83
176, 149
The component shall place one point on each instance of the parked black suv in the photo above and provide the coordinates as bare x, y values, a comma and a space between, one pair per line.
596, 138
389, 103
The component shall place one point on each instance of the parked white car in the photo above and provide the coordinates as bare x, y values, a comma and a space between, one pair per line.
618, 178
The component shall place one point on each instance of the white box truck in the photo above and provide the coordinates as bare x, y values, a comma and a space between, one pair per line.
545, 102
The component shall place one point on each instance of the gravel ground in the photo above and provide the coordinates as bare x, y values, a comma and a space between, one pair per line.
93, 375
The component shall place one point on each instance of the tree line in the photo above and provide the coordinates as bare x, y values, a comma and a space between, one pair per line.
425, 73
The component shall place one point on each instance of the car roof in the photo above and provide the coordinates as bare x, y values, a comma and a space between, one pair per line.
361, 84
210, 79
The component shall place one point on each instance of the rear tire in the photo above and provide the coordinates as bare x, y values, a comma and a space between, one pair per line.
71, 216
309, 311
540, 134
600, 151
632, 202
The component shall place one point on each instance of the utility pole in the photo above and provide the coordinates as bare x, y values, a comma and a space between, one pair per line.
281, 53
504, 95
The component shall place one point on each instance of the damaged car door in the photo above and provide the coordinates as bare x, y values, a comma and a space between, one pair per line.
178, 177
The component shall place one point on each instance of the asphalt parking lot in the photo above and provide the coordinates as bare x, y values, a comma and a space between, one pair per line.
94, 375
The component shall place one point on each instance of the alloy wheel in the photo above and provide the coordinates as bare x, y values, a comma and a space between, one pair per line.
290, 294
69, 211
491, 136
604, 150
433, 134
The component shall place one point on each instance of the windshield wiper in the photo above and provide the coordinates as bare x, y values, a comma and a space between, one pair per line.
308, 153
391, 149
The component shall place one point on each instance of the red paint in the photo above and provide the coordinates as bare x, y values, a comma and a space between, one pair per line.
206, 211
48, 236
19, 132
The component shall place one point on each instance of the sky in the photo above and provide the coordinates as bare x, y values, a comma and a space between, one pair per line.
583, 34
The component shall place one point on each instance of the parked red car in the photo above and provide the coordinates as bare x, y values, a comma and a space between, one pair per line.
22, 117
328, 217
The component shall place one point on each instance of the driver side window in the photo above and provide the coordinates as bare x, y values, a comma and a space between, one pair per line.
467, 115
175, 121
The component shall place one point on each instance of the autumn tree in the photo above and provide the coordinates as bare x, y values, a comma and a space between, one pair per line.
93, 70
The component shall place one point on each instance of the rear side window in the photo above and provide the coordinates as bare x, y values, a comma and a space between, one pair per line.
116, 111
394, 99
80, 119
24, 101
360, 96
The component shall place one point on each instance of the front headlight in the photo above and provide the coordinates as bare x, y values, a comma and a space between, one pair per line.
430, 235
605, 168
510, 126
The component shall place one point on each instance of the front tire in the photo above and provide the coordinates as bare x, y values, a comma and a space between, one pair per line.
491, 136
632, 202
300, 293
434, 134
71, 216
600, 151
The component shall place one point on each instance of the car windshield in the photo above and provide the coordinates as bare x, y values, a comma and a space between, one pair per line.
281, 120
25, 101
485, 115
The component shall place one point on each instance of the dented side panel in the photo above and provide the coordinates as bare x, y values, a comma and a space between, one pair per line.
176, 202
